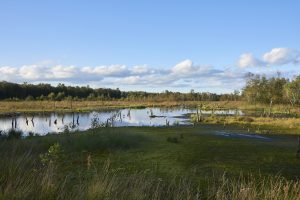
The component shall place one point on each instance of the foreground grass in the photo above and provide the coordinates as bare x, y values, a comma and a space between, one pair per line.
141, 163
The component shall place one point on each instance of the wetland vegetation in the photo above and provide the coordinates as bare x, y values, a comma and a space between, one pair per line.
149, 100
202, 146
143, 163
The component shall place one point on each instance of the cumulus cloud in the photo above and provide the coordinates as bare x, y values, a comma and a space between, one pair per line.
131, 80
275, 57
141, 69
184, 67
31, 72
187, 69
7, 70
7, 73
281, 56
184, 74
62, 72
111, 70
248, 60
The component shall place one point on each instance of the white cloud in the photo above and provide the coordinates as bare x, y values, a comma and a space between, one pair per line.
131, 80
184, 67
141, 69
184, 74
31, 72
112, 70
248, 60
281, 56
39, 72
62, 72
7, 73
7, 70
275, 57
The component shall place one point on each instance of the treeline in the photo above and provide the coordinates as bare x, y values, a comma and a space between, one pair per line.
26, 91
260, 89
14, 91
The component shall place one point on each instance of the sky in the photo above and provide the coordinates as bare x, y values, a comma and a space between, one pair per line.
149, 45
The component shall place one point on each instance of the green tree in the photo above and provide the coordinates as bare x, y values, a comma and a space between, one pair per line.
292, 91
51, 96
60, 96
29, 98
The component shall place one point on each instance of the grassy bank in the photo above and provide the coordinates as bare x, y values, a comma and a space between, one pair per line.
66, 106
149, 163
259, 125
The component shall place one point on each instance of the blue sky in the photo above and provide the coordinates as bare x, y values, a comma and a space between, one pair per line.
148, 45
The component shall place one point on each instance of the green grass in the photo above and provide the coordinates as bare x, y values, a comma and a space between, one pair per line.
86, 105
141, 163
259, 125
7, 107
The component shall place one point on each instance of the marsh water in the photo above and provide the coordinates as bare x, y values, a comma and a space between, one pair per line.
43, 123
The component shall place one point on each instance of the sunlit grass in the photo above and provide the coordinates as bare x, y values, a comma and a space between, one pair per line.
140, 163
257, 124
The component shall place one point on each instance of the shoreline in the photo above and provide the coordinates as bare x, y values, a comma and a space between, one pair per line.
85, 105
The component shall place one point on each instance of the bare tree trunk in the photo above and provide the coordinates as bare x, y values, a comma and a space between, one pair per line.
270, 107
198, 116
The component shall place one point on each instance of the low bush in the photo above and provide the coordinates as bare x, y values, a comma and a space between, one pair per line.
14, 134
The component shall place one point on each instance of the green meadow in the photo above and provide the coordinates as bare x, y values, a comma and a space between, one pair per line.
184, 162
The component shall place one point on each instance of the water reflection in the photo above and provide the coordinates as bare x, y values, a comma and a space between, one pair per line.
56, 122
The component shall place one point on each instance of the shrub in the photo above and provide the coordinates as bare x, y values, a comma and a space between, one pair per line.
29, 98
14, 134
52, 156
51, 96
95, 122
60, 96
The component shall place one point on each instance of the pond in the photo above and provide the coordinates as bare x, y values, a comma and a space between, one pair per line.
43, 123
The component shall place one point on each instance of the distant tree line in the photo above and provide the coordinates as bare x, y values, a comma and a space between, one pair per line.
43, 91
260, 89
26, 91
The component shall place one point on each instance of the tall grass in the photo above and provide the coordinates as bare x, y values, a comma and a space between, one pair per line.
63, 167
24, 177
250, 187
